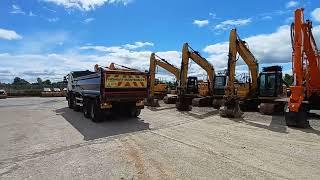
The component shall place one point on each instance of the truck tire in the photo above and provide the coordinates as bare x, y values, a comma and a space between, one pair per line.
95, 112
86, 108
134, 112
75, 106
70, 101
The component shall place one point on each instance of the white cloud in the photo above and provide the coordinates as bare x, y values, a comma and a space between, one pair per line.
9, 34
269, 49
316, 14
292, 4
53, 19
266, 18
201, 23
88, 20
86, 5
138, 45
16, 10
213, 15
55, 66
228, 24
31, 14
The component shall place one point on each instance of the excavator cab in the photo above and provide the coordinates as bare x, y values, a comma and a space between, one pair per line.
192, 85
219, 84
270, 83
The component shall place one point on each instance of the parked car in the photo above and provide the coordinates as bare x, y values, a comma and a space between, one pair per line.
3, 94
56, 89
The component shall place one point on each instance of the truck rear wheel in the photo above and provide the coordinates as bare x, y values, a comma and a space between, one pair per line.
95, 112
134, 112
86, 108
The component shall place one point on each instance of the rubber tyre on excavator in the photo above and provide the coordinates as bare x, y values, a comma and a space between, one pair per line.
298, 119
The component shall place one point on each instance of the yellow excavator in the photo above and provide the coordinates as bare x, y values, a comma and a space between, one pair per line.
240, 94
187, 89
154, 87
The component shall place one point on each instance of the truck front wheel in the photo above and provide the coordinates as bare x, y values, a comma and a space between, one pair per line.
95, 112
70, 101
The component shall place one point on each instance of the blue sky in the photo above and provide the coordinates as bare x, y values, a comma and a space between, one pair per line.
48, 38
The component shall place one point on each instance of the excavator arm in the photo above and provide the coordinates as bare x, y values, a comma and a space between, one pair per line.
189, 53
154, 62
306, 72
183, 101
237, 46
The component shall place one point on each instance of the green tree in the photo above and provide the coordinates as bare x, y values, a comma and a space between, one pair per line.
39, 81
47, 82
19, 81
288, 79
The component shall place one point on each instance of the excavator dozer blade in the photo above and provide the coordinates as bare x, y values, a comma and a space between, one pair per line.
202, 102
151, 102
170, 99
231, 110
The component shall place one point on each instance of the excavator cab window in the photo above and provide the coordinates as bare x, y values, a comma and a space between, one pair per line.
269, 84
219, 85
192, 85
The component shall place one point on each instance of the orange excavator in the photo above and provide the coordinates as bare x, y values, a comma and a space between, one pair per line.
305, 92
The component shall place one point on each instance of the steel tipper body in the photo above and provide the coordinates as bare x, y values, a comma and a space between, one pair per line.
105, 90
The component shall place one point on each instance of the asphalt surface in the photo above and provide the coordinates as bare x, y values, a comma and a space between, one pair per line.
42, 139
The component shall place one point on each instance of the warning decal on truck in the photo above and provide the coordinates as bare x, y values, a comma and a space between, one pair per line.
125, 81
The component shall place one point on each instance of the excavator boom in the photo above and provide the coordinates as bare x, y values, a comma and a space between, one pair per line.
237, 46
154, 62
189, 53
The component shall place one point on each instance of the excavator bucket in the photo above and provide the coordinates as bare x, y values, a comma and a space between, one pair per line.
231, 109
184, 103
202, 102
217, 103
170, 99
151, 102
297, 119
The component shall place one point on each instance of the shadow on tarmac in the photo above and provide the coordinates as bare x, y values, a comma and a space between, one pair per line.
277, 124
116, 124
